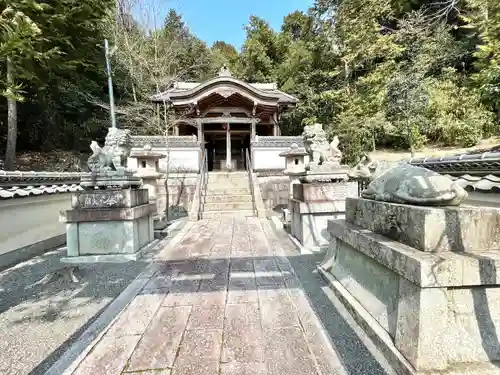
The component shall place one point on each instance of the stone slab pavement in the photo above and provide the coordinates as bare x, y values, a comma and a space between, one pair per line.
224, 300
40, 322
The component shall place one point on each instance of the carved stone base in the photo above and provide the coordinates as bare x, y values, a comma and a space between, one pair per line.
110, 179
424, 310
110, 198
326, 175
430, 229
108, 223
312, 205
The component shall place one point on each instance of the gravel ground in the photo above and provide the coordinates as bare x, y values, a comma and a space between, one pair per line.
39, 321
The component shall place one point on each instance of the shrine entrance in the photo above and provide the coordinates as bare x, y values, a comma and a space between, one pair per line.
225, 114
226, 148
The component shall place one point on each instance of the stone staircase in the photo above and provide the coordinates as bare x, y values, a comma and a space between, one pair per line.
227, 194
238, 162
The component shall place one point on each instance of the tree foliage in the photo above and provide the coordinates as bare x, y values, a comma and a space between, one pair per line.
386, 73
378, 73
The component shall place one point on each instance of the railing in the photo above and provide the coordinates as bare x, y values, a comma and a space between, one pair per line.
248, 164
258, 204
200, 188
277, 141
203, 179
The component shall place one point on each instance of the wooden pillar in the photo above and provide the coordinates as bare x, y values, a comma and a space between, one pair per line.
199, 126
276, 130
228, 147
176, 129
253, 130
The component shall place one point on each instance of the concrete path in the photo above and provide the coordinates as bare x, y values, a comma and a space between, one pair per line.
224, 300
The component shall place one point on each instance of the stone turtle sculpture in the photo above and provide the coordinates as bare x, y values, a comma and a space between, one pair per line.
407, 184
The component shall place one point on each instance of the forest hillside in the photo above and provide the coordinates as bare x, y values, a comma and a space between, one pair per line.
381, 74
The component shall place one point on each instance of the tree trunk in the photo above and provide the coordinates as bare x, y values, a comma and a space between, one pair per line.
410, 138
10, 152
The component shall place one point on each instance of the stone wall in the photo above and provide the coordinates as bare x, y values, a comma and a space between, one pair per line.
275, 191
30, 203
266, 152
478, 198
31, 226
181, 190
183, 153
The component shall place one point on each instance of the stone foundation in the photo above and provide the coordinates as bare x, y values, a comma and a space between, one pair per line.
428, 311
312, 205
108, 225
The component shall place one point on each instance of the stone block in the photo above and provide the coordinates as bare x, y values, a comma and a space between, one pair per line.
430, 229
199, 353
370, 282
422, 333
310, 220
105, 238
474, 324
312, 205
107, 179
429, 312
287, 353
447, 269
112, 198
109, 356
321, 192
160, 343
108, 214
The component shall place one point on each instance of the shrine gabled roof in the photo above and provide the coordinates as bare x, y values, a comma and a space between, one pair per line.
183, 92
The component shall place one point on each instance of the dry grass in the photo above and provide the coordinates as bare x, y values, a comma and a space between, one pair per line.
490, 144
54, 161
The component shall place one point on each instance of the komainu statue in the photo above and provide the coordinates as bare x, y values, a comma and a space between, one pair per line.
113, 156
320, 152
407, 184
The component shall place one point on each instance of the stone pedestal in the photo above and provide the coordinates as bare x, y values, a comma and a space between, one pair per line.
424, 283
108, 225
109, 179
295, 167
148, 172
313, 204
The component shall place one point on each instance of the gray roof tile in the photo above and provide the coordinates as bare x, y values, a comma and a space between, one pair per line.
17, 184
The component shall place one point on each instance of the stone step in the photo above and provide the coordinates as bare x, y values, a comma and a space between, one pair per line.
227, 191
227, 206
228, 198
217, 214
227, 186
224, 178
230, 179
228, 174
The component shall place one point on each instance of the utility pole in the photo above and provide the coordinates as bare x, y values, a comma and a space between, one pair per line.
110, 83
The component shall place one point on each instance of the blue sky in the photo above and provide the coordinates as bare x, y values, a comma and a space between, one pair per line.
213, 20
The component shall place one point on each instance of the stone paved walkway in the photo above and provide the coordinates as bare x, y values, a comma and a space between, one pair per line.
223, 300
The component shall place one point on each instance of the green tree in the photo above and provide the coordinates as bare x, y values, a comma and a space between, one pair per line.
224, 54
21, 39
